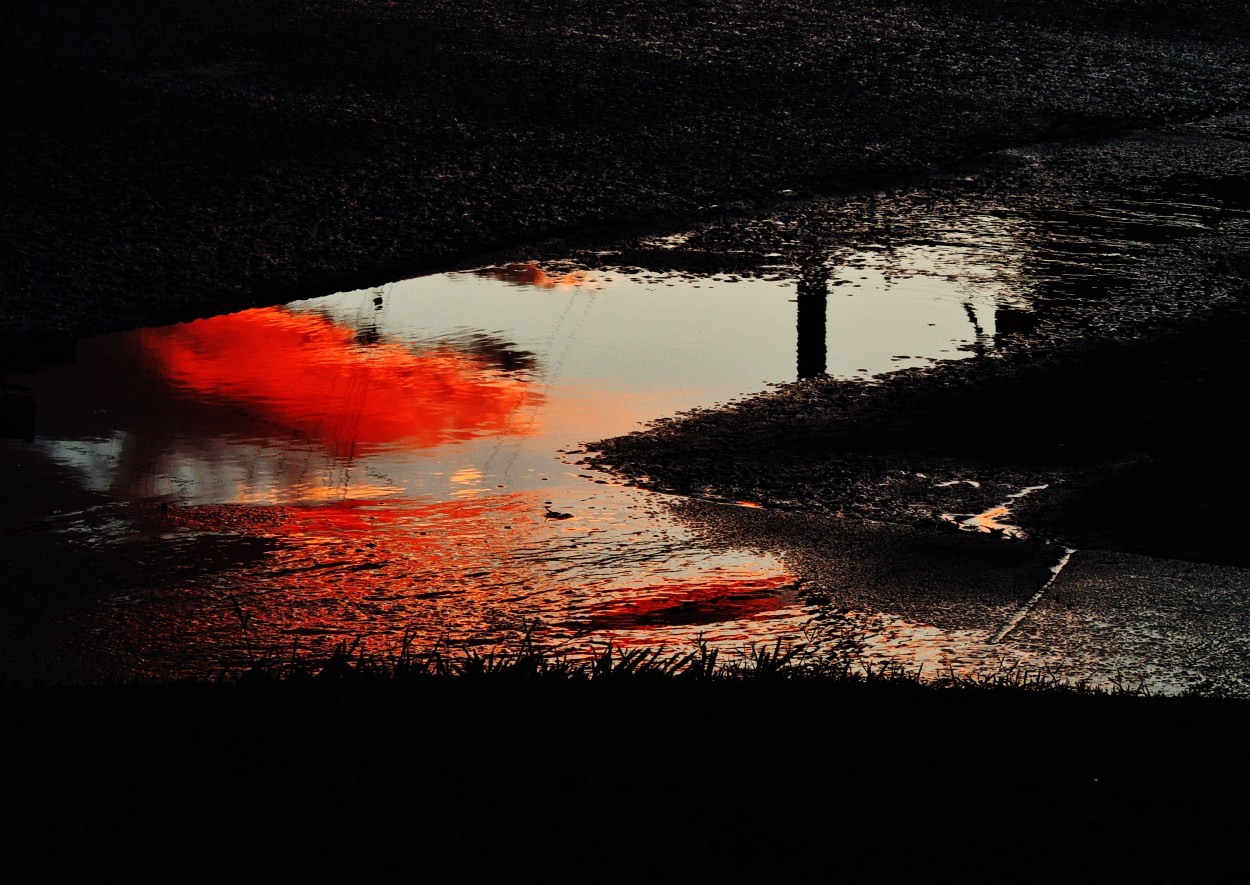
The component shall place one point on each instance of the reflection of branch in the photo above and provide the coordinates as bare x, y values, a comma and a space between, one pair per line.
492, 352
496, 353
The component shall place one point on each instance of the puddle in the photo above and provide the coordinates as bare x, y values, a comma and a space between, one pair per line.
405, 461
406, 457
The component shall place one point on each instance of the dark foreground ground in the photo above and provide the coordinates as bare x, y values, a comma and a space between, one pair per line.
161, 165
483, 781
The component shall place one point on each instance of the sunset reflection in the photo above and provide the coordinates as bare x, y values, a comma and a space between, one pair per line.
406, 464
414, 462
311, 377
529, 273
707, 599
380, 570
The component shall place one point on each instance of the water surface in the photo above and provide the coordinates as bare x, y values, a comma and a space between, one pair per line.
404, 460
407, 461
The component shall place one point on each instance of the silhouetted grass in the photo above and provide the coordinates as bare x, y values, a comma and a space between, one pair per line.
778, 760
467, 765
797, 660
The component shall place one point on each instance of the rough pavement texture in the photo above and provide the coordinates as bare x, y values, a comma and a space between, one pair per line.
168, 163
1121, 393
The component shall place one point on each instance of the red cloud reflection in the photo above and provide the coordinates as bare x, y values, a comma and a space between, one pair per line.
308, 375
707, 599
451, 569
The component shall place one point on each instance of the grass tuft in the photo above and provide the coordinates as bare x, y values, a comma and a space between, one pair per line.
801, 660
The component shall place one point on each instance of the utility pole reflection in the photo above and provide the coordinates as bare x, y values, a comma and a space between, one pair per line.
812, 307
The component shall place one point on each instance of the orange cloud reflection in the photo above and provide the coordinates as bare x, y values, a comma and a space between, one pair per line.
309, 376
528, 273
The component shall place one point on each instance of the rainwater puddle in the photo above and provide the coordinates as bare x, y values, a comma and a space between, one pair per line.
404, 461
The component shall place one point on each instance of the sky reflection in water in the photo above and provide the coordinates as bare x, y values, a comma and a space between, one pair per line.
407, 456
